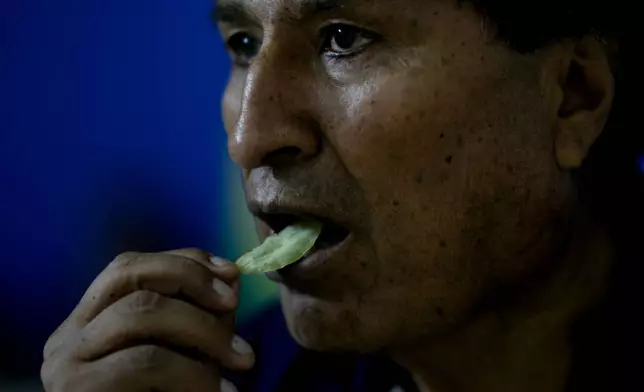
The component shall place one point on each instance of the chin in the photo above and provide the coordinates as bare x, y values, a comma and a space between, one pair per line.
327, 326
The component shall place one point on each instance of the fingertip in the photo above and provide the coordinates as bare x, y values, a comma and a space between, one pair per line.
225, 267
220, 262
227, 386
244, 358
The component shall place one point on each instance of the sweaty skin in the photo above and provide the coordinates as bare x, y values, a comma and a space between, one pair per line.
446, 154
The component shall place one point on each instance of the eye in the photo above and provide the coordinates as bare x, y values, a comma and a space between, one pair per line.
345, 40
243, 47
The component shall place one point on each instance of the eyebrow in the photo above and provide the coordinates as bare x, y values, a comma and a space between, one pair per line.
230, 12
235, 11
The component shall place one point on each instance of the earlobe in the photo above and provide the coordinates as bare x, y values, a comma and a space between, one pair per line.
586, 97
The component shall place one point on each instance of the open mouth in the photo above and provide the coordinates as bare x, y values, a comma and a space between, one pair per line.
332, 234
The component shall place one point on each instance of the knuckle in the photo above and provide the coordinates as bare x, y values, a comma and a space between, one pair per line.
50, 345
184, 262
55, 377
125, 259
55, 340
71, 380
188, 271
144, 302
146, 358
195, 254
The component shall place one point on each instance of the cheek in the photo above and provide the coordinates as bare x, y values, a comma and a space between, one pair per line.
401, 142
444, 170
402, 132
404, 143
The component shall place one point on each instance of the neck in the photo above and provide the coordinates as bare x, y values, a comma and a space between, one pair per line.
523, 348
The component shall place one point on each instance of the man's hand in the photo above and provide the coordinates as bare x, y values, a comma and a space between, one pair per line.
150, 322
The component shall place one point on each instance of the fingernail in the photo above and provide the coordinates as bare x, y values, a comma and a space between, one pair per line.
227, 386
241, 347
219, 262
222, 288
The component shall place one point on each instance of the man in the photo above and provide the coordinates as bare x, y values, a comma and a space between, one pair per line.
458, 156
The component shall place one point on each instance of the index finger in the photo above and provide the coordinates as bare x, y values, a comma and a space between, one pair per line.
165, 273
222, 268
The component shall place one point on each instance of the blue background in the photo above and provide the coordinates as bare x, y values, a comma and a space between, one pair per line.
110, 139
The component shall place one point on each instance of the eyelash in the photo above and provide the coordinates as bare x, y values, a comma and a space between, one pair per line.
328, 35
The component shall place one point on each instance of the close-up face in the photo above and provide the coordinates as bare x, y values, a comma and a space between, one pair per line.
422, 142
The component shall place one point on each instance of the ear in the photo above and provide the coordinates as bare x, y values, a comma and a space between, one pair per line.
585, 97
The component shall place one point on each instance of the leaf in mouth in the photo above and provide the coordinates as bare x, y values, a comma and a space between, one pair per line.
280, 250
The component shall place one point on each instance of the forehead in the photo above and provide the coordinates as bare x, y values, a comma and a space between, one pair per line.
234, 10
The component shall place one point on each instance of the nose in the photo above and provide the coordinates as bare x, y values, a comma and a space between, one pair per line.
275, 126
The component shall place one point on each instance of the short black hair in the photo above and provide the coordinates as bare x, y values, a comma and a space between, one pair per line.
531, 24
611, 179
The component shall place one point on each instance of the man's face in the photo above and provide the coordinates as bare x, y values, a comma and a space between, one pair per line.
409, 125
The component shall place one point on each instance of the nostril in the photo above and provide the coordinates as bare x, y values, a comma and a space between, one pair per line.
282, 157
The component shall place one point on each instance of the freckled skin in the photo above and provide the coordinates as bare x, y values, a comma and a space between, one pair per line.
434, 146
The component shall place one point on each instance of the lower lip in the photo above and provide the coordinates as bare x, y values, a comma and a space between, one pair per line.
310, 266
